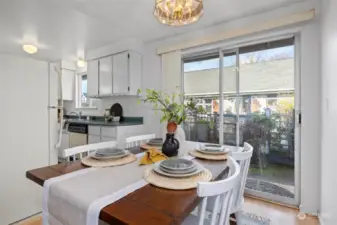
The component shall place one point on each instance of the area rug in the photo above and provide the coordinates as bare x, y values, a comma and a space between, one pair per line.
244, 218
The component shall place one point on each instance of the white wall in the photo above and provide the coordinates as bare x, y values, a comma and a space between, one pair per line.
23, 134
329, 113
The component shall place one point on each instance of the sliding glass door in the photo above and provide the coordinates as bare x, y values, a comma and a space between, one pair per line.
202, 98
248, 94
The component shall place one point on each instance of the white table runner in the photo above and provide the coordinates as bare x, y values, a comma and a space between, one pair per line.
77, 198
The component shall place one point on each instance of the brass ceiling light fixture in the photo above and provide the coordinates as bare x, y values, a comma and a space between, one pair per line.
178, 12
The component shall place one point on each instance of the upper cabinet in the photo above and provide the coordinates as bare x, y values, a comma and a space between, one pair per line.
118, 74
92, 76
68, 84
105, 76
121, 73
135, 72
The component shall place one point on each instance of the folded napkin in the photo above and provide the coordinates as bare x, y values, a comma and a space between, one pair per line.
152, 156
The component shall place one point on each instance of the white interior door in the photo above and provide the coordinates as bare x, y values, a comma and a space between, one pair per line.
24, 134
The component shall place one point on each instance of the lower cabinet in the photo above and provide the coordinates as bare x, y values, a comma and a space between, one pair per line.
93, 139
101, 134
105, 133
104, 139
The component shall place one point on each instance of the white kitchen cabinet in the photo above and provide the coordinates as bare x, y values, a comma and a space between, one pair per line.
99, 134
94, 130
105, 76
93, 78
68, 85
135, 72
106, 139
93, 139
121, 73
109, 132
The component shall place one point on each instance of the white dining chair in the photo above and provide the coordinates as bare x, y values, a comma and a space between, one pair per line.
243, 158
222, 191
84, 150
135, 141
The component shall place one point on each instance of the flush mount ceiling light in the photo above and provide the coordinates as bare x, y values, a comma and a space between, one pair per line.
81, 63
178, 12
30, 49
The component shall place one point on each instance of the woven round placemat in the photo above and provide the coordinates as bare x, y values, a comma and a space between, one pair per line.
88, 161
176, 183
148, 147
200, 155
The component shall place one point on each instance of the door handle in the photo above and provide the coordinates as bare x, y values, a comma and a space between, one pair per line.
298, 118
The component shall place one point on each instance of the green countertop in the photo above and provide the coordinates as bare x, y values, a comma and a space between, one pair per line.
128, 121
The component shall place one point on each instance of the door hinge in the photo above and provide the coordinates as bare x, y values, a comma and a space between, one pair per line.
300, 118
128, 55
129, 88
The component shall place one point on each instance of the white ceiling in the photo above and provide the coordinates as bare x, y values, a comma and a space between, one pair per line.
64, 29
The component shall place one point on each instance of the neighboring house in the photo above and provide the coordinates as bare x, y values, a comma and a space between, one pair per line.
270, 76
261, 85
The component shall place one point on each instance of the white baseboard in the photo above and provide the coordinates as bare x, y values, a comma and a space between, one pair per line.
308, 211
320, 220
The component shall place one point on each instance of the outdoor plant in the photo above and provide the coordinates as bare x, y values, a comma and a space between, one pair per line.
211, 124
256, 131
193, 109
212, 130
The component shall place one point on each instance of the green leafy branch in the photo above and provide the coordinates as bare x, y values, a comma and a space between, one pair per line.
166, 103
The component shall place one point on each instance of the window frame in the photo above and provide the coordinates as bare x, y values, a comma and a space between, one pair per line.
78, 93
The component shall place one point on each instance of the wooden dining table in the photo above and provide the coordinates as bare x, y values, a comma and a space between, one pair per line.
149, 205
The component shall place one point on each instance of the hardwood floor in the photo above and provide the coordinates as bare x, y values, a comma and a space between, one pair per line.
279, 215
34, 220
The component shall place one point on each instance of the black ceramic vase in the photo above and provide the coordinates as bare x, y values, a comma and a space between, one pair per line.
170, 146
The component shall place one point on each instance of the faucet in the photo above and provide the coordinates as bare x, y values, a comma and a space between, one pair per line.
77, 114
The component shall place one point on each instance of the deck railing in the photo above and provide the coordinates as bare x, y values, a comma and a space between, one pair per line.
271, 136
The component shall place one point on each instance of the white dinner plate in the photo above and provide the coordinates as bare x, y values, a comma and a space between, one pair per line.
177, 164
187, 171
109, 151
158, 170
204, 151
103, 157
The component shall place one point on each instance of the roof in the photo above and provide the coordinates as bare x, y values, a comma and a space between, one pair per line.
269, 76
